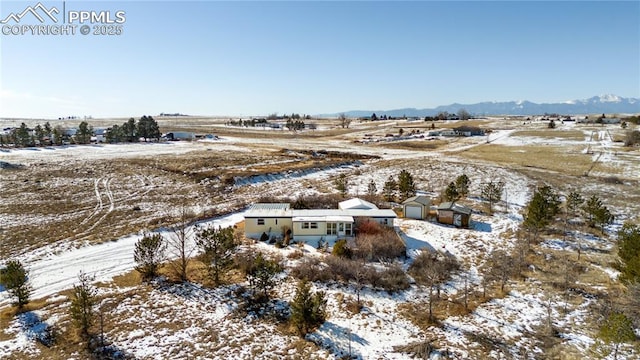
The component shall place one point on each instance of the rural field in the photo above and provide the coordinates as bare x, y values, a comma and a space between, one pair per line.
82, 208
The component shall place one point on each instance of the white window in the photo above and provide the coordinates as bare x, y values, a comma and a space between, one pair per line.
309, 225
260, 221
332, 228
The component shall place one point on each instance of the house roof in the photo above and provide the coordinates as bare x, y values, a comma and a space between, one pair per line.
268, 210
323, 218
420, 199
455, 207
373, 213
356, 203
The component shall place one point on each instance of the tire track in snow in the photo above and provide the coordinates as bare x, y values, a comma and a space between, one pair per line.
98, 207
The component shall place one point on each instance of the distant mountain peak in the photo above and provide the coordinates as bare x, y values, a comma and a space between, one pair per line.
606, 103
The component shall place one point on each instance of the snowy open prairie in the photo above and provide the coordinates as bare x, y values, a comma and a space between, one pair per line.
83, 208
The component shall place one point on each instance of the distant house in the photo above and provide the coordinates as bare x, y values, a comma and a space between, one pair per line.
416, 207
311, 225
453, 214
611, 120
469, 131
180, 135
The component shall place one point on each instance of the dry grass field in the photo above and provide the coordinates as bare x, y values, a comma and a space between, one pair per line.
82, 195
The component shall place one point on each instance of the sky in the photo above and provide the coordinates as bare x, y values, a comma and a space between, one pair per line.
312, 57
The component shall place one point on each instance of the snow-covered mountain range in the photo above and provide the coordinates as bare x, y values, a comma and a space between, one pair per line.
598, 104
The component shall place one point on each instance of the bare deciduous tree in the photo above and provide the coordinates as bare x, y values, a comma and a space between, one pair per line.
344, 121
180, 244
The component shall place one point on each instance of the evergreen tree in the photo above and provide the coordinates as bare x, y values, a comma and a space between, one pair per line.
149, 253
342, 184
451, 192
83, 135
574, 202
217, 247
15, 278
129, 130
83, 301
629, 252
48, 131
39, 133
406, 186
114, 134
372, 189
541, 210
262, 275
23, 136
390, 188
598, 214
491, 192
58, 135
462, 185
148, 128
308, 309
617, 329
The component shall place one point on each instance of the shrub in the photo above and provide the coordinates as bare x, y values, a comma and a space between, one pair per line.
384, 245
367, 226
394, 279
311, 269
264, 237
341, 249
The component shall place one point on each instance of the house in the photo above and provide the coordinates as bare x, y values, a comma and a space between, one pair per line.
416, 207
268, 218
453, 214
311, 225
180, 135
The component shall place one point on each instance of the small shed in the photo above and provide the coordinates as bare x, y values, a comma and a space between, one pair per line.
453, 214
416, 207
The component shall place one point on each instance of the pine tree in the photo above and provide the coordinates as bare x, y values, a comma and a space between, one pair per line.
83, 136
22, 135
629, 252
462, 185
149, 253
39, 133
617, 329
262, 275
574, 202
372, 189
308, 309
390, 188
217, 247
83, 301
406, 186
598, 214
129, 130
15, 278
491, 192
342, 184
542, 208
451, 192
58, 135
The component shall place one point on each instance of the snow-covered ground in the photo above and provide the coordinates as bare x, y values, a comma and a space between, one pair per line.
371, 334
